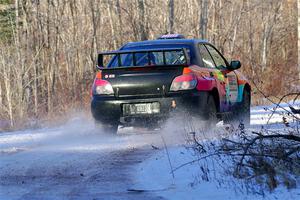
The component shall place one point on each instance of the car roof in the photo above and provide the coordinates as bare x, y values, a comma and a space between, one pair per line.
165, 41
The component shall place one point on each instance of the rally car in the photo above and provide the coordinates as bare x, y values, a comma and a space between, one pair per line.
146, 82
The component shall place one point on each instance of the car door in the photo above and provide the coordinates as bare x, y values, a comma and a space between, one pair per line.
231, 84
209, 72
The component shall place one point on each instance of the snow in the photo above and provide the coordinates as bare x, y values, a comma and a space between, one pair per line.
78, 161
74, 161
190, 182
154, 175
261, 114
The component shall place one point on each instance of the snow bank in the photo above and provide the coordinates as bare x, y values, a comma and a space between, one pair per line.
190, 182
194, 182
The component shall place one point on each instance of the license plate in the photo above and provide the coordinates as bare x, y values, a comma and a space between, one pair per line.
141, 108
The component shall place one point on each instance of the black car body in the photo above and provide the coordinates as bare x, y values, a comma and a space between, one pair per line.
147, 81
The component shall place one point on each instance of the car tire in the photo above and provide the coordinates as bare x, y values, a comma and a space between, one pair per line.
154, 125
241, 113
210, 112
244, 109
107, 128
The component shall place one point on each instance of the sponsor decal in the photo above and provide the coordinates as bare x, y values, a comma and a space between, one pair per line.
219, 75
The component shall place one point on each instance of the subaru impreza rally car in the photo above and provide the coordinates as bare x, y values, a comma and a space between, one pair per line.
147, 82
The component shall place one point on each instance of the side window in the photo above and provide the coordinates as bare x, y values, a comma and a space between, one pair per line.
206, 58
220, 62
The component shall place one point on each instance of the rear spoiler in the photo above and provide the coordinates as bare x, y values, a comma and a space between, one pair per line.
117, 53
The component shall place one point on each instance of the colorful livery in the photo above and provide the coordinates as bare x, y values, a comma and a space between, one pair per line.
143, 83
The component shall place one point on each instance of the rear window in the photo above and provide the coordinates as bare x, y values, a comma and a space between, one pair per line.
173, 57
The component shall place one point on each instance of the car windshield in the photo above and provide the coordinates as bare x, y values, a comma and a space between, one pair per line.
172, 57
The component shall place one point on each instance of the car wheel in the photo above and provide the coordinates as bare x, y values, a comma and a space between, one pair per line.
107, 128
154, 125
241, 113
244, 109
211, 112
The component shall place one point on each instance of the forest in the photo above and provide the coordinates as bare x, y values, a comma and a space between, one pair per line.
48, 48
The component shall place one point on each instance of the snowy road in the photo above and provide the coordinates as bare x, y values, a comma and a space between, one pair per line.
77, 161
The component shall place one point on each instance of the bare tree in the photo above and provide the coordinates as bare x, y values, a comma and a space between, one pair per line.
112, 24
171, 16
203, 18
95, 23
298, 6
142, 20
120, 23
49, 59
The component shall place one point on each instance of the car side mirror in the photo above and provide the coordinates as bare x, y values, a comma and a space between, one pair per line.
235, 64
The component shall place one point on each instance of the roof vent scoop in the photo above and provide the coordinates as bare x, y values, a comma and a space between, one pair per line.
171, 36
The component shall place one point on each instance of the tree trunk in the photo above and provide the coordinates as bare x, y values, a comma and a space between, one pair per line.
235, 30
7, 85
142, 20
203, 18
171, 16
298, 5
264, 48
1, 101
111, 22
120, 24
94, 41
